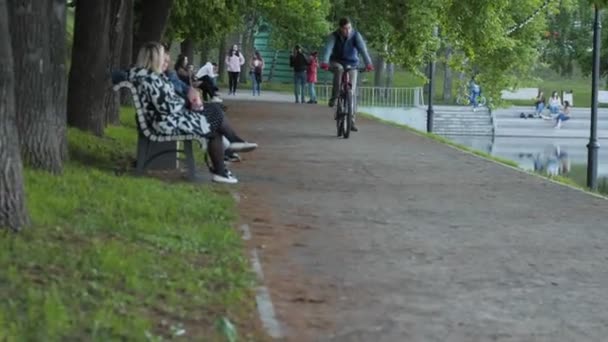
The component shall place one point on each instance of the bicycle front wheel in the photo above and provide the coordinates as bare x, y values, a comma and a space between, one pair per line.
339, 117
348, 114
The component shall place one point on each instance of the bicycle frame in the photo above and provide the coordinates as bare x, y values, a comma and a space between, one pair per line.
346, 105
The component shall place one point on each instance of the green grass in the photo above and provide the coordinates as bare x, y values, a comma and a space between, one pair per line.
578, 177
121, 258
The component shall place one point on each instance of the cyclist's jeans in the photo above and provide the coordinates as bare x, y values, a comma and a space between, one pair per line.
338, 69
474, 96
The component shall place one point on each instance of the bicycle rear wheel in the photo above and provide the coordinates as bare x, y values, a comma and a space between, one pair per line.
339, 117
481, 100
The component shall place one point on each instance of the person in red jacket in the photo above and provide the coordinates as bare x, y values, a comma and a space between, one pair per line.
311, 77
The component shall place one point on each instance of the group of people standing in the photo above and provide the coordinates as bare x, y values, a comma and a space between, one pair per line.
305, 68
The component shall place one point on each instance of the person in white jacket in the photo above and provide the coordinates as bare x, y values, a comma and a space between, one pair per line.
234, 60
205, 77
555, 103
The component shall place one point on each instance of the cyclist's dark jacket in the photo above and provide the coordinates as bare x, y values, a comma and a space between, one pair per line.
345, 50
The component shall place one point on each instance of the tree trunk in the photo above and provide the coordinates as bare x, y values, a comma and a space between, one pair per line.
247, 45
222, 60
89, 74
204, 53
390, 73
126, 55
447, 75
37, 120
187, 49
59, 79
13, 213
154, 19
117, 23
379, 73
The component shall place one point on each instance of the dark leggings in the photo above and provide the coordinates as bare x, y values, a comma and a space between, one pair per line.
207, 87
233, 80
216, 146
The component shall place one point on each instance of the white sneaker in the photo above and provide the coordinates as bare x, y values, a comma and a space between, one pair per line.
227, 178
242, 146
216, 99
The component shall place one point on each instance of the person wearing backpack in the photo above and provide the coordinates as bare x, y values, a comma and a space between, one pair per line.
299, 62
257, 68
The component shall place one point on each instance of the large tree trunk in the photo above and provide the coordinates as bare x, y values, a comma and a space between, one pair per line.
37, 120
390, 74
187, 49
379, 73
117, 23
89, 74
447, 76
222, 60
13, 213
57, 15
204, 53
247, 45
154, 19
126, 55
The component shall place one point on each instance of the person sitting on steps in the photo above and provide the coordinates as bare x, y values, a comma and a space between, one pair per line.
555, 103
169, 115
563, 116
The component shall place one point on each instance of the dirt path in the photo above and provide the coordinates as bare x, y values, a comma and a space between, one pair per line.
389, 236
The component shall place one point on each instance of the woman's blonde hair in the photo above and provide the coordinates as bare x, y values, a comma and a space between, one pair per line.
151, 56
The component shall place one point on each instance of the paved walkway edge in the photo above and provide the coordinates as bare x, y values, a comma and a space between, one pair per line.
424, 134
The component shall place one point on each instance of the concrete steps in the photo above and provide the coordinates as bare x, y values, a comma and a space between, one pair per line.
462, 121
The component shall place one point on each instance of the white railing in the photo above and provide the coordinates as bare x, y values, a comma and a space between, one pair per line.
380, 96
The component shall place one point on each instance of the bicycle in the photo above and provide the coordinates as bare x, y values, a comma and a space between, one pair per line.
465, 99
345, 106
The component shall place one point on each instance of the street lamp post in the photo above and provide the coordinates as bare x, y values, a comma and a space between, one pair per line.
593, 146
430, 112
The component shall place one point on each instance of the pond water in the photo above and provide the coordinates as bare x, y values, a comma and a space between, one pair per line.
550, 156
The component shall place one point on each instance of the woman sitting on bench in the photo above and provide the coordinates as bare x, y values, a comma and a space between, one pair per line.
169, 115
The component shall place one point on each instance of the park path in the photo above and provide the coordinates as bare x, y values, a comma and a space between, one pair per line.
389, 236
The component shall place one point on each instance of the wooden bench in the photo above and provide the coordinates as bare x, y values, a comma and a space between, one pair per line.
148, 142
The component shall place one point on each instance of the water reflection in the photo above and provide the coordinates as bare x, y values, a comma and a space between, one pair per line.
548, 156
553, 161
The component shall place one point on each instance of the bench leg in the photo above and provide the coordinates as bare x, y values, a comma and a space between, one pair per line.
190, 160
142, 153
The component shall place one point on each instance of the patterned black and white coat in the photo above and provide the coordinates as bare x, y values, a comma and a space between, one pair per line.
166, 112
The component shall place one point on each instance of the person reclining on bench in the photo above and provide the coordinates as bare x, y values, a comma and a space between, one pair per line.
169, 115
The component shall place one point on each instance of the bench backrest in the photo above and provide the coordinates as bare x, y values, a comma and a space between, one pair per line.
141, 118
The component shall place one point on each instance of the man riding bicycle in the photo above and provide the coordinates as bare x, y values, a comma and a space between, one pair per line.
342, 52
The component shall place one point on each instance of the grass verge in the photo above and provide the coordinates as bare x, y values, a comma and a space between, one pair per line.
122, 258
572, 182
442, 140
